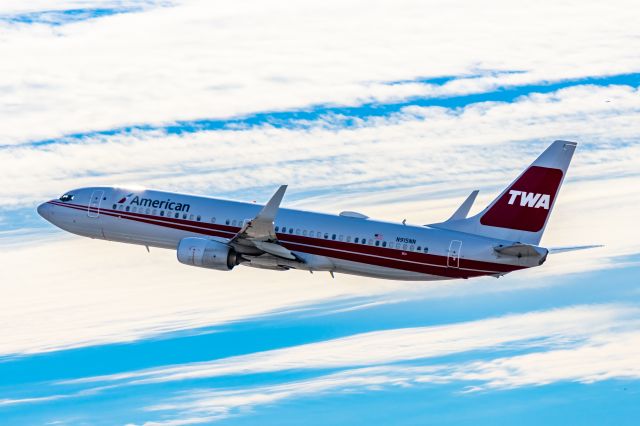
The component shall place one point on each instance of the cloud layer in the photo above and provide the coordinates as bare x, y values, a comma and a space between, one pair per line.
397, 109
154, 67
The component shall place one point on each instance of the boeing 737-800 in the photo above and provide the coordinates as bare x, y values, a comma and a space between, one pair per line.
220, 234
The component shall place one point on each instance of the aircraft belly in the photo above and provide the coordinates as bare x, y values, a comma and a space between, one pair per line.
126, 231
373, 271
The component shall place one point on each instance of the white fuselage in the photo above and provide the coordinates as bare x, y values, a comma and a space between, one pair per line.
336, 243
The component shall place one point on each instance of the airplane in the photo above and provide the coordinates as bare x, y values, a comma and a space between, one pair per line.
221, 234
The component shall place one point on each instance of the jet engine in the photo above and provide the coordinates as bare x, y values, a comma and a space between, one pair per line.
205, 253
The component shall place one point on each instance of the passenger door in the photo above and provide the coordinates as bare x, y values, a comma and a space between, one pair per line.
453, 257
93, 210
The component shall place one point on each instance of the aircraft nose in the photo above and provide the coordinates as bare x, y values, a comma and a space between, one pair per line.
44, 210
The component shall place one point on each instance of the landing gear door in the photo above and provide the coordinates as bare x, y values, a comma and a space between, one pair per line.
93, 210
453, 258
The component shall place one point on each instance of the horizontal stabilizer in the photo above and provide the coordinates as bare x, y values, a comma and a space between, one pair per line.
554, 250
521, 250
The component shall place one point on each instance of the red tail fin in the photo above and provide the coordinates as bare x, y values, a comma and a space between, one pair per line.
527, 202
521, 211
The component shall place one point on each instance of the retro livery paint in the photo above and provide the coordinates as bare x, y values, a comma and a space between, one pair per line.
220, 234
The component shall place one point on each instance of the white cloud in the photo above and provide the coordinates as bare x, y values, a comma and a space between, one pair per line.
609, 352
194, 61
53, 301
435, 142
563, 327
202, 59
611, 357
583, 344
602, 358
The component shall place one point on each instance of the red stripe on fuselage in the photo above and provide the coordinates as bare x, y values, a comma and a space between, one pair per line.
378, 256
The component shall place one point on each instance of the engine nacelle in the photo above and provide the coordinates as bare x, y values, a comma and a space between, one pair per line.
205, 253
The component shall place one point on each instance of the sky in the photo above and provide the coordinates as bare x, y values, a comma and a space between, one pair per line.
395, 109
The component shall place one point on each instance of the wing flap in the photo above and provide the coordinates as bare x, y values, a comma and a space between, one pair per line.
274, 249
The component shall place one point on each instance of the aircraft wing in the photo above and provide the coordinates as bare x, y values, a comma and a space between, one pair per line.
259, 232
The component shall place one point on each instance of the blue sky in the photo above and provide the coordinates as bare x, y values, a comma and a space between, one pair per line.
397, 110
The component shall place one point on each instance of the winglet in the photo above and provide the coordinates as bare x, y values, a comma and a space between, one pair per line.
268, 212
261, 226
465, 207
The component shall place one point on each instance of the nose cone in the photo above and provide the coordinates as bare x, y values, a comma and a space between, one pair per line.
44, 210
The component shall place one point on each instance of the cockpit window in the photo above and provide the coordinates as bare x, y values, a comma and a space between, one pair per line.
66, 197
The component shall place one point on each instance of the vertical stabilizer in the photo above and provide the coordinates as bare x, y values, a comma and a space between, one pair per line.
520, 213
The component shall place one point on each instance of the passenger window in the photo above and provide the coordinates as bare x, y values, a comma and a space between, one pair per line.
304, 232
276, 228
311, 234
198, 218
148, 211
333, 237
356, 240
364, 241
291, 230
134, 209
184, 215
384, 244
341, 237
213, 219
397, 245
161, 212
404, 247
419, 249
411, 247
155, 212
115, 207
326, 236
426, 249
348, 238
127, 209
234, 222
377, 243
226, 222
297, 231
177, 215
